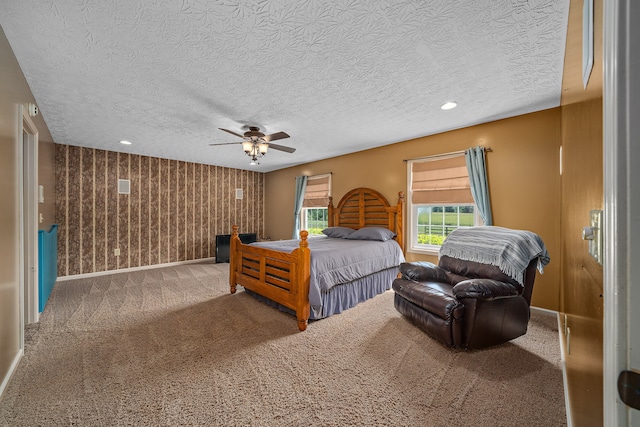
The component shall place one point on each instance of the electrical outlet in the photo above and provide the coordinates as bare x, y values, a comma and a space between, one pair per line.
116, 252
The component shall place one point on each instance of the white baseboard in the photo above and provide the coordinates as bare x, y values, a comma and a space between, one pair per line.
130, 269
563, 362
550, 313
10, 372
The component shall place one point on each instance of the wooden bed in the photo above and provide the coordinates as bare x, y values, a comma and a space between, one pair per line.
284, 277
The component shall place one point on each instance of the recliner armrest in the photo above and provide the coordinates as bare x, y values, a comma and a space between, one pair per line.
422, 271
485, 289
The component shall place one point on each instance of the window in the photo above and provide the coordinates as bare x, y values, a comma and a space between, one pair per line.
434, 223
440, 200
314, 220
315, 213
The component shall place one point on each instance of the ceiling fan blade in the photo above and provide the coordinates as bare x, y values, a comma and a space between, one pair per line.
275, 136
228, 143
232, 133
282, 148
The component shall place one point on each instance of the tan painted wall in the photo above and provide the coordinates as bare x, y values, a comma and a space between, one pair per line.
173, 213
9, 221
523, 173
14, 91
582, 276
582, 190
46, 178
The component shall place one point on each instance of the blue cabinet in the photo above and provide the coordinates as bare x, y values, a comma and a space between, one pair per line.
47, 264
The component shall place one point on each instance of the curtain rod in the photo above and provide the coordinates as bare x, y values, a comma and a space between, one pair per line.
317, 174
453, 153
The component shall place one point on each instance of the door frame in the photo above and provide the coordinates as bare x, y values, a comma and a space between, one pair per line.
621, 97
28, 178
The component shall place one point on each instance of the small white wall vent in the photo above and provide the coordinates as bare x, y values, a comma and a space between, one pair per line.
124, 186
239, 194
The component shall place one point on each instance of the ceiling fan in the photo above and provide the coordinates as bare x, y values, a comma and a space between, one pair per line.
256, 143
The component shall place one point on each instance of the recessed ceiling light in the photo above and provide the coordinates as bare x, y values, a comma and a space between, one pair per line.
449, 105
125, 142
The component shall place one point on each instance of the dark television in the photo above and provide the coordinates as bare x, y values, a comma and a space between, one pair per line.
223, 242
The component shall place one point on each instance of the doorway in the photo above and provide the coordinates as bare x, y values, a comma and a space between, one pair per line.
29, 220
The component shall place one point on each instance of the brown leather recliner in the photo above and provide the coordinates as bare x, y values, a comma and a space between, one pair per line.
465, 304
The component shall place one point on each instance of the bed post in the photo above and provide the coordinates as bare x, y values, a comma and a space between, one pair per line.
235, 240
330, 210
399, 224
304, 274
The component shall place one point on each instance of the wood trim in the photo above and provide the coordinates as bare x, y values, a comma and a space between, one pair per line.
280, 276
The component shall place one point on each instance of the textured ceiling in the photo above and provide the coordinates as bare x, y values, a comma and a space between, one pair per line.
338, 76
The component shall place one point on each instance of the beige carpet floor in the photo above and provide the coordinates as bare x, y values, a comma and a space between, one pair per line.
171, 347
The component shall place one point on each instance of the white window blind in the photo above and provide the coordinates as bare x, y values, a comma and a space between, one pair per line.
440, 180
318, 191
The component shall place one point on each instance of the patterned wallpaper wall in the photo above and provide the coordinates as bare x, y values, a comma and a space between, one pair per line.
173, 213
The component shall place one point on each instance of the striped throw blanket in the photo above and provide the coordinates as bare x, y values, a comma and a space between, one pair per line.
509, 250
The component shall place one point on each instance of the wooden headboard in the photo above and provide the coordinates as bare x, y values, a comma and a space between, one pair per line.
365, 207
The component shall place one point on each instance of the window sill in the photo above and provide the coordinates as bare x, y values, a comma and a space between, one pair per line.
432, 252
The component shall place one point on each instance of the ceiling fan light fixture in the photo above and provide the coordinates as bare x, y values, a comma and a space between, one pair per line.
247, 147
256, 144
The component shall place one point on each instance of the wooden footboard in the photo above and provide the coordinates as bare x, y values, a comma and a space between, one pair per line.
282, 277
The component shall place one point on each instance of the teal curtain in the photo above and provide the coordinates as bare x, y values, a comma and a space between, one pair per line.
301, 186
478, 179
